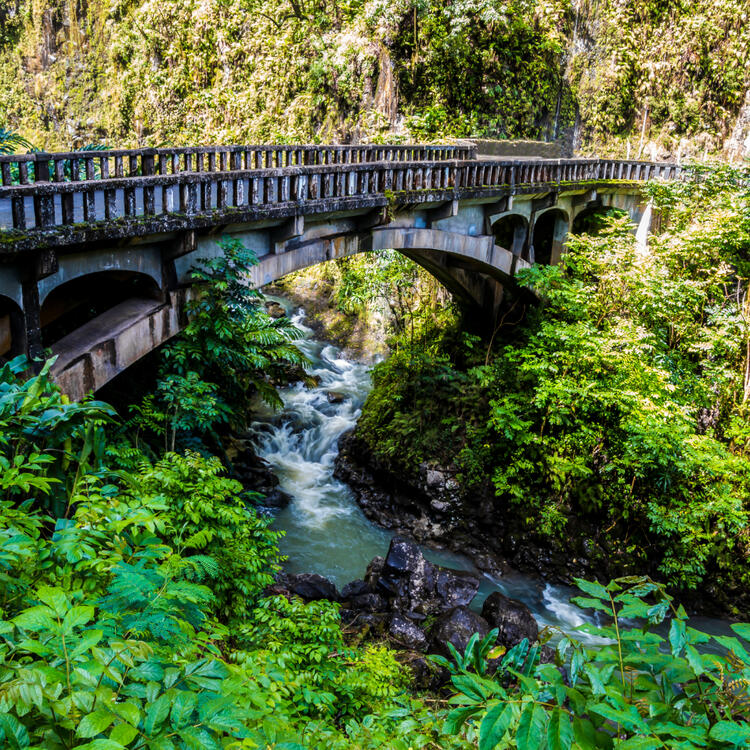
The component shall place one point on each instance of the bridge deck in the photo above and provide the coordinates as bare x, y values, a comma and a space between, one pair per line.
99, 227
57, 213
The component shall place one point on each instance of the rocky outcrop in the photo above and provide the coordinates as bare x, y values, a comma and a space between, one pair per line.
429, 505
418, 588
420, 607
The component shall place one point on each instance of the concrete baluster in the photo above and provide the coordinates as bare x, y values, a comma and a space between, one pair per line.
44, 206
221, 197
314, 187
257, 191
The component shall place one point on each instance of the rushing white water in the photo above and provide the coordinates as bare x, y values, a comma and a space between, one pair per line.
326, 532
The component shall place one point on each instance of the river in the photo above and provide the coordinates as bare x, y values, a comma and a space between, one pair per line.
326, 532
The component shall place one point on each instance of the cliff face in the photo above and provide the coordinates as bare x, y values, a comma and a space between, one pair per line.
655, 77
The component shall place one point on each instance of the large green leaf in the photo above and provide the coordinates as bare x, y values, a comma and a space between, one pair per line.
559, 730
94, 723
531, 727
494, 724
733, 732
15, 733
156, 713
183, 705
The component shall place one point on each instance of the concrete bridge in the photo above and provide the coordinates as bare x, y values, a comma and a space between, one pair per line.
96, 246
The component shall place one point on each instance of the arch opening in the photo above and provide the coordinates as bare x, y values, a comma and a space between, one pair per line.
510, 232
592, 219
76, 302
550, 229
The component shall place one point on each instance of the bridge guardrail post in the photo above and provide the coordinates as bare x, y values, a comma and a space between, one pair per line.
44, 205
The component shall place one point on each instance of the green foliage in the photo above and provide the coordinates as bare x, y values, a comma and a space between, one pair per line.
10, 142
483, 68
670, 70
121, 619
615, 416
46, 442
204, 515
635, 689
230, 341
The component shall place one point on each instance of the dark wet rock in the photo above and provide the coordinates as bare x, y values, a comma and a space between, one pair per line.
275, 498
335, 397
407, 634
374, 569
417, 588
455, 588
404, 559
512, 618
457, 627
311, 586
426, 674
355, 588
369, 602
274, 309
256, 475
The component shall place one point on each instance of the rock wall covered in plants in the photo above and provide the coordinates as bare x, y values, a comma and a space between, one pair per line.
651, 77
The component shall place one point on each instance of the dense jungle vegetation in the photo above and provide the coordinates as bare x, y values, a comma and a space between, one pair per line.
646, 77
134, 571
616, 411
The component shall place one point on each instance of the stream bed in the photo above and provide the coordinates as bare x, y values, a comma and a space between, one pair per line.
326, 532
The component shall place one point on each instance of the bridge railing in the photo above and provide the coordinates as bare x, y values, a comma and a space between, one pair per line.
187, 195
80, 166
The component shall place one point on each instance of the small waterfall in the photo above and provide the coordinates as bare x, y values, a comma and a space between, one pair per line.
644, 227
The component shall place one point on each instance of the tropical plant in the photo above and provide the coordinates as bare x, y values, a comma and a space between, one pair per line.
230, 340
10, 142
650, 685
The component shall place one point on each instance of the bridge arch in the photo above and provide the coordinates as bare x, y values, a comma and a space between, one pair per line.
589, 217
551, 227
73, 303
510, 231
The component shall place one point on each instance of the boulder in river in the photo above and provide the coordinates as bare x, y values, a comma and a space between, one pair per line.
274, 309
417, 588
512, 618
355, 588
335, 397
311, 586
457, 627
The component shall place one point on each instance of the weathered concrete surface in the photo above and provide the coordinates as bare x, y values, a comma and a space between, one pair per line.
107, 345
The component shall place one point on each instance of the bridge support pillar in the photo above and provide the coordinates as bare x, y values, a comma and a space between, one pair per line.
43, 264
